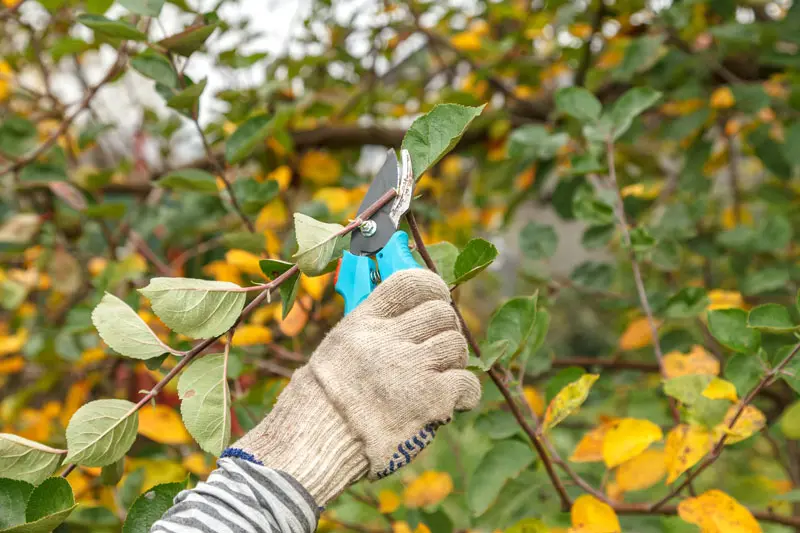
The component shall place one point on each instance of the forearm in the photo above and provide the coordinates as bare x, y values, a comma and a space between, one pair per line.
241, 496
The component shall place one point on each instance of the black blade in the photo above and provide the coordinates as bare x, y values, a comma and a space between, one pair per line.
384, 181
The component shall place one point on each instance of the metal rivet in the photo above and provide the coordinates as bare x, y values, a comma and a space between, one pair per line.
368, 228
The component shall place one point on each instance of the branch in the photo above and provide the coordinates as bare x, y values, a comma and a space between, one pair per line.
712, 456
667, 510
586, 59
495, 375
622, 222
605, 363
67, 122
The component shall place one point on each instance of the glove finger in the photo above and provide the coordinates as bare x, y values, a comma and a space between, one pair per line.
404, 291
463, 387
445, 351
425, 321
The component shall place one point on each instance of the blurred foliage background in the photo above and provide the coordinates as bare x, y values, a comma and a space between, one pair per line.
122, 159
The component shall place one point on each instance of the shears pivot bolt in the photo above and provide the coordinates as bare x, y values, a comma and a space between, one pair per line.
368, 228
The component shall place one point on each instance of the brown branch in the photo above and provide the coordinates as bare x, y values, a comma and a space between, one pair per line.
494, 373
667, 510
712, 456
67, 122
588, 362
586, 58
733, 168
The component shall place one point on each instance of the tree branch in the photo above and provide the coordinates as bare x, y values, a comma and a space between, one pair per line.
586, 58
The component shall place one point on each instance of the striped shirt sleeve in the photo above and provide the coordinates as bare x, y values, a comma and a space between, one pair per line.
242, 497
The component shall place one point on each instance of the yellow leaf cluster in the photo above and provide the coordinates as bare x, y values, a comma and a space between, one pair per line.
568, 400
641, 472
156, 471
11, 365
722, 98
637, 335
430, 488
466, 41
297, 318
729, 215
244, 261
697, 361
388, 501
161, 423
590, 447
320, 168
716, 512
251, 335
403, 527
283, 175
685, 446
721, 299
590, 515
272, 216
198, 463
628, 438
5, 69
11, 344
223, 271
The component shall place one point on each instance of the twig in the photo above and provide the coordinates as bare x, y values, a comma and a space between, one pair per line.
712, 456
141, 245
495, 375
67, 122
586, 58
622, 221
733, 167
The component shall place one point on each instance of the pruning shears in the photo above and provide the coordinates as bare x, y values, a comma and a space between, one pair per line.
377, 239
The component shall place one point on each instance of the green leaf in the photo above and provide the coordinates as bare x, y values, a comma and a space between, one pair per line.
273, 268
444, 255
641, 240
629, 106
27, 460
246, 137
578, 103
514, 321
206, 402
790, 421
772, 318
14, 496
528, 525
687, 389
49, 500
253, 195
156, 67
538, 241
437, 132
765, 280
317, 243
124, 331
111, 474
244, 240
597, 236
491, 353
729, 327
498, 425
111, 28
504, 461
473, 259
587, 206
189, 179
593, 276
101, 432
687, 303
147, 8
188, 98
197, 308
744, 371
131, 487
640, 55
189, 40
535, 142
151, 506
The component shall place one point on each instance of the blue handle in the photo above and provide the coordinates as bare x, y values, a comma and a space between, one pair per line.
395, 256
354, 281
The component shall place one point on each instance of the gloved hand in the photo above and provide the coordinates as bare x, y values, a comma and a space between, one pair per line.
374, 392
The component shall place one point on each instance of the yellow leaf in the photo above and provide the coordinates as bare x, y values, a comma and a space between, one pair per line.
647, 191
272, 216
429, 488
685, 446
223, 271
451, 166
590, 515
244, 261
722, 98
283, 175
163, 424
590, 448
10, 344
719, 389
401, 527
697, 361
5, 70
534, 399
568, 400
637, 335
96, 265
422, 528
156, 471
320, 168
614, 491
388, 501
90, 356
724, 299
628, 438
467, 41
297, 318
336, 199
643, 471
251, 335
198, 463
750, 421
716, 512
77, 395
729, 217
11, 365
315, 287
682, 107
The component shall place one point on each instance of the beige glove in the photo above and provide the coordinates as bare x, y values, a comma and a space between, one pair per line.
373, 393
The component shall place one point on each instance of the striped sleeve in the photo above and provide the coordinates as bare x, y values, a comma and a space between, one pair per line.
242, 497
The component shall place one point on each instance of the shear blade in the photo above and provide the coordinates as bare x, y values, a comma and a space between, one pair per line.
386, 179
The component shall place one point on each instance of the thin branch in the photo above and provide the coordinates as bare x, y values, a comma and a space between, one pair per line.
622, 221
67, 122
733, 168
712, 456
586, 58
667, 510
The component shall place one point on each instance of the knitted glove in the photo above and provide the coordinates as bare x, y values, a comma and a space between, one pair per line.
373, 393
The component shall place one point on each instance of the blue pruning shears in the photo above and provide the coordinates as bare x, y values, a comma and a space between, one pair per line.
378, 237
